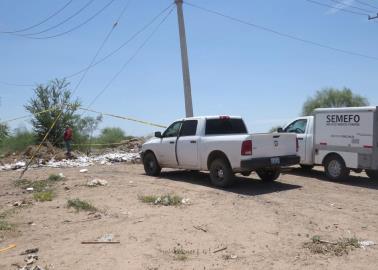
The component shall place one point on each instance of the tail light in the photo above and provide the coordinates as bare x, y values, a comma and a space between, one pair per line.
297, 145
246, 148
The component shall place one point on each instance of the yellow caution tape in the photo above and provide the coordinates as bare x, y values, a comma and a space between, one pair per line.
125, 118
27, 116
8, 247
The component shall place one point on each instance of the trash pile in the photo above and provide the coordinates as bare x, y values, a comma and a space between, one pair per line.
50, 156
80, 161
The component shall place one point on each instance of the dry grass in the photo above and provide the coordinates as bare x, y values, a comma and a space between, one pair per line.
341, 247
166, 200
54, 177
44, 196
80, 205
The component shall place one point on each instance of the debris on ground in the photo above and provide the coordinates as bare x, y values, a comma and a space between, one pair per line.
31, 258
366, 243
29, 251
83, 170
338, 248
50, 156
219, 249
97, 182
7, 248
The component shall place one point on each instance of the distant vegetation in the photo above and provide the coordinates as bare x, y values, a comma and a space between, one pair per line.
57, 95
333, 98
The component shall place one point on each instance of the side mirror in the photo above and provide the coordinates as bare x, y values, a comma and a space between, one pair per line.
158, 134
280, 130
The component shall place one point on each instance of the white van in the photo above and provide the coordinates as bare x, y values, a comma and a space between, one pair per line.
340, 139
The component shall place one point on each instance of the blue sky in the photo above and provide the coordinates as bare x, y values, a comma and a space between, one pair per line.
235, 69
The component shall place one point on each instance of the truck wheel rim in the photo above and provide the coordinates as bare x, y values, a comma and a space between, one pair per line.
334, 168
220, 173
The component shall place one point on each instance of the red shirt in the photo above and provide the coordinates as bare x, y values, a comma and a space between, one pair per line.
68, 134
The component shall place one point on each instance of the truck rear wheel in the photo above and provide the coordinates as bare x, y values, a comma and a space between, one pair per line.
372, 174
151, 165
221, 174
335, 168
268, 175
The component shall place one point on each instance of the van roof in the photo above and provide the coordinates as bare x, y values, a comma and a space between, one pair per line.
210, 117
347, 109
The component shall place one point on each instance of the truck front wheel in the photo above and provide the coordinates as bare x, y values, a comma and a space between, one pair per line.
151, 165
221, 174
268, 175
372, 174
335, 168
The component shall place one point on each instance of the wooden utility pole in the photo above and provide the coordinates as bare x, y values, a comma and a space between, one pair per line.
184, 60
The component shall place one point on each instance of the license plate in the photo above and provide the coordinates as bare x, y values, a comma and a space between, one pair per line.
275, 161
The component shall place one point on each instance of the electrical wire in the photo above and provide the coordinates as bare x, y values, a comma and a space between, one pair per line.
344, 5
366, 4
130, 59
338, 8
62, 22
135, 35
75, 27
41, 22
285, 35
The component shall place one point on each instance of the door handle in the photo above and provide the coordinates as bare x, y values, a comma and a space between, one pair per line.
193, 142
172, 142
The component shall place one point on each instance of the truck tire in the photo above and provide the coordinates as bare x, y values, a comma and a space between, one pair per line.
306, 168
151, 165
372, 174
221, 174
335, 168
268, 175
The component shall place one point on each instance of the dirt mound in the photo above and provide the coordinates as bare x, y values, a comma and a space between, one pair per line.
45, 153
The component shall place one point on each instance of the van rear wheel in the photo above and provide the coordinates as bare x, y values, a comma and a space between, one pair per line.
335, 168
372, 174
221, 174
268, 175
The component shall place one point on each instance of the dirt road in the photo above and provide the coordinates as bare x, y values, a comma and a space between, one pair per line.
262, 226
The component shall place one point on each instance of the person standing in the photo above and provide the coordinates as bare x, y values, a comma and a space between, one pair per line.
68, 139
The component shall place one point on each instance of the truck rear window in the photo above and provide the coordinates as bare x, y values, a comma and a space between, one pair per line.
225, 126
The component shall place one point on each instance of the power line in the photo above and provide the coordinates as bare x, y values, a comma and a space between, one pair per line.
41, 22
366, 4
130, 59
77, 26
135, 35
350, 6
338, 8
62, 22
289, 36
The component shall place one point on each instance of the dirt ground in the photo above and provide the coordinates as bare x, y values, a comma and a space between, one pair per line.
263, 226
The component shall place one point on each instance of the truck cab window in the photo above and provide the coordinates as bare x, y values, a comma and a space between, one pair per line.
298, 127
172, 130
189, 128
225, 126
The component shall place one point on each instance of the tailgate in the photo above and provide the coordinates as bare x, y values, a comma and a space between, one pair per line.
274, 144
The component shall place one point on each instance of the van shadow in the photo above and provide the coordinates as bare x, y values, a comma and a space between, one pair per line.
247, 186
353, 180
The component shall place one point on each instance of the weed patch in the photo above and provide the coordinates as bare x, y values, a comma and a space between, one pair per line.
5, 226
80, 205
166, 200
54, 177
44, 196
341, 247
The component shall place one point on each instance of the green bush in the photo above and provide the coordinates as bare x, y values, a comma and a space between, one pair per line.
18, 141
111, 135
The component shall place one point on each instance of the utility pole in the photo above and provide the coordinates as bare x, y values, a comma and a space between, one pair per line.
374, 17
184, 60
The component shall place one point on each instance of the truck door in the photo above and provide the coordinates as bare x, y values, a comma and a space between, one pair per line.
299, 127
187, 145
166, 153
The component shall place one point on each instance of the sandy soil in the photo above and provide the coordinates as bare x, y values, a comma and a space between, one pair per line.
263, 226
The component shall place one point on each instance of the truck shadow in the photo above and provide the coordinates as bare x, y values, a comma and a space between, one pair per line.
353, 180
248, 186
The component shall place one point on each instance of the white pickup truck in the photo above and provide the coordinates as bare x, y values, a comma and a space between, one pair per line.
221, 145
340, 139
